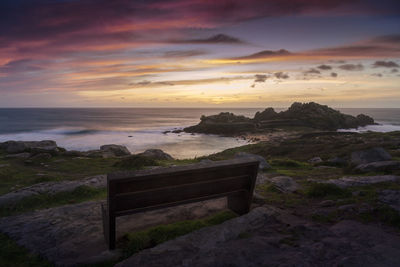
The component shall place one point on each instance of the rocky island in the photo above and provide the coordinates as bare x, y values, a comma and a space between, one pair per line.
307, 116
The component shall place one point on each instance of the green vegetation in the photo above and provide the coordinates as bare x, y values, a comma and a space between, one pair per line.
18, 174
317, 190
134, 242
43, 201
12, 255
135, 162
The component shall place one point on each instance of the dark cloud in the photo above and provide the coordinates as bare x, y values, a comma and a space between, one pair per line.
281, 75
324, 67
21, 65
377, 74
311, 71
385, 64
183, 54
266, 54
394, 70
352, 67
260, 78
216, 39
334, 74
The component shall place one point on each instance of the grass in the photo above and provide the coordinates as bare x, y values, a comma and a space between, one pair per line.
12, 255
43, 201
134, 242
135, 162
318, 190
273, 196
17, 174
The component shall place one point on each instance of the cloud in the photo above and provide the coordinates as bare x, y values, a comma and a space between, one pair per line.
265, 54
324, 67
21, 65
334, 74
352, 67
260, 78
281, 75
188, 82
377, 74
311, 71
216, 39
394, 70
183, 54
385, 64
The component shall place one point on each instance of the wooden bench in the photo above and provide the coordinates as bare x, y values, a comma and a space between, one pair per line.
138, 191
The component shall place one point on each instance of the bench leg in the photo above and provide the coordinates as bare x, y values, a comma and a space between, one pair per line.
108, 228
239, 203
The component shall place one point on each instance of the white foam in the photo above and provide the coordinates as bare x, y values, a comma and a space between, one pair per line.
383, 128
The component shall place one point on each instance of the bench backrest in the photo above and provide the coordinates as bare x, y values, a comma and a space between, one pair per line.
136, 191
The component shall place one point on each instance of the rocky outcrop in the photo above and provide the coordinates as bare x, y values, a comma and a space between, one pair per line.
369, 155
224, 123
72, 235
380, 166
14, 147
285, 184
311, 115
263, 163
267, 237
391, 198
349, 181
117, 150
156, 154
51, 188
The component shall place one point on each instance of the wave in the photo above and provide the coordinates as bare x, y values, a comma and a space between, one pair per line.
382, 128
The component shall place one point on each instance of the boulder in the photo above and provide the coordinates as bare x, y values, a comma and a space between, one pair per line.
337, 161
14, 147
263, 163
23, 155
391, 198
285, 184
73, 153
156, 154
349, 181
327, 203
369, 155
41, 157
315, 160
378, 166
117, 150
93, 153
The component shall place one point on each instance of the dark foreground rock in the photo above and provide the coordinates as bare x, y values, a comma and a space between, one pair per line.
310, 115
14, 147
72, 235
263, 163
349, 181
266, 237
380, 166
51, 188
117, 150
391, 198
156, 154
369, 155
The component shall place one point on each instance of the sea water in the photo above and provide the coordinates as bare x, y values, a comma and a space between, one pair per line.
140, 128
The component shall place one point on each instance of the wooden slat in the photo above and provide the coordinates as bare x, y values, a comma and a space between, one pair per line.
189, 169
180, 192
160, 181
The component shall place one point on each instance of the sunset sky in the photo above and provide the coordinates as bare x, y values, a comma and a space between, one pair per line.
199, 53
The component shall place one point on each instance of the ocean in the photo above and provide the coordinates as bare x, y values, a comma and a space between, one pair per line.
140, 128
